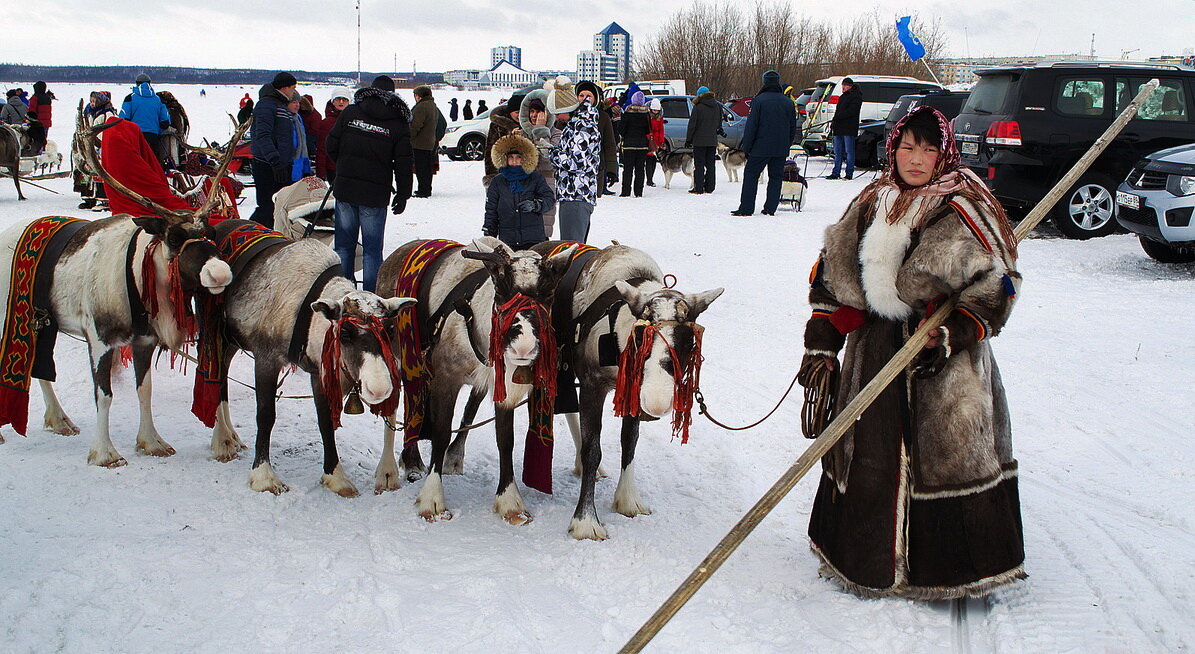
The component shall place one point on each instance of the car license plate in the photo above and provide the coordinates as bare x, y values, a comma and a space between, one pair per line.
1128, 200
969, 147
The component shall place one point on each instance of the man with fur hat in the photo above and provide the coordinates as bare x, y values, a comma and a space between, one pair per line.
588, 90
504, 119
371, 145
705, 124
577, 160
273, 143
424, 118
518, 194
771, 127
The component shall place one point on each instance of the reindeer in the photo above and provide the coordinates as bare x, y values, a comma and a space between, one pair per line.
457, 359
10, 155
619, 301
290, 305
90, 297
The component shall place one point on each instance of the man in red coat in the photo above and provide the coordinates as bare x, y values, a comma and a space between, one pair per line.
126, 156
40, 105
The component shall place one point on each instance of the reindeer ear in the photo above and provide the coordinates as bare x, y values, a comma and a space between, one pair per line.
558, 263
330, 309
393, 304
153, 225
701, 301
635, 299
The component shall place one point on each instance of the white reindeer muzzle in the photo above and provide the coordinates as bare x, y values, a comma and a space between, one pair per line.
524, 349
215, 276
375, 380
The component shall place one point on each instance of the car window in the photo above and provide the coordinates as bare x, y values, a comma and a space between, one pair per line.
1083, 96
990, 94
675, 108
1169, 102
902, 107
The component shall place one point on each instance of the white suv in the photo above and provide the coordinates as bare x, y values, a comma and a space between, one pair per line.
880, 92
466, 140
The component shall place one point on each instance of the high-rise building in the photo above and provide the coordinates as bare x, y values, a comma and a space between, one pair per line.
616, 41
597, 66
509, 53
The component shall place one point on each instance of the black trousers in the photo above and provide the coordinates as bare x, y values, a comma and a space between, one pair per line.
634, 162
751, 173
651, 168
155, 143
266, 187
423, 171
703, 168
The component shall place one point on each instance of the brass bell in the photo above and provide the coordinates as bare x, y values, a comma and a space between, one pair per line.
522, 375
352, 404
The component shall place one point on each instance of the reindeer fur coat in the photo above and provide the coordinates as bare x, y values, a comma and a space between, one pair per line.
919, 498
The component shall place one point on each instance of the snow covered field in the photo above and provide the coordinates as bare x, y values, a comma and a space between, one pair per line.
178, 554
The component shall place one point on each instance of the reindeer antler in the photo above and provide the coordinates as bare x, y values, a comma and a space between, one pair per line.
225, 159
89, 148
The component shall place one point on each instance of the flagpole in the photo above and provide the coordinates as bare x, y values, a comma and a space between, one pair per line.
931, 71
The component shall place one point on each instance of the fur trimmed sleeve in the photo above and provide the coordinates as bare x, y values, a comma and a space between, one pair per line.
822, 336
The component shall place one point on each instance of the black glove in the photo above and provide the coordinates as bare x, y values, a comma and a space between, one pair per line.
399, 205
529, 206
689, 145
721, 132
611, 178
282, 175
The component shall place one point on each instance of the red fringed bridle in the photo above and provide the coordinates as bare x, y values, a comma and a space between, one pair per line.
183, 317
686, 375
544, 370
331, 365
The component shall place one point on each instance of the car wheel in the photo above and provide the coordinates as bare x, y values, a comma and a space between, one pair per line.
471, 148
1166, 253
1088, 209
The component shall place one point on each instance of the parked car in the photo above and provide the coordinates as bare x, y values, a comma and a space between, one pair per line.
675, 110
741, 106
880, 92
950, 103
465, 141
1024, 126
1156, 202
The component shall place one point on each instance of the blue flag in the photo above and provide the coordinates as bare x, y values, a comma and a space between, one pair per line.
909, 40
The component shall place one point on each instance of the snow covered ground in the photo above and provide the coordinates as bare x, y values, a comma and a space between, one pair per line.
178, 554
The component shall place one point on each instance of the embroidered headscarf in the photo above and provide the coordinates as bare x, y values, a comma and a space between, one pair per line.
949, 177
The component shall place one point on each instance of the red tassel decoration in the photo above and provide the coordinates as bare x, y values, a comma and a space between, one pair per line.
544, 370
686, 376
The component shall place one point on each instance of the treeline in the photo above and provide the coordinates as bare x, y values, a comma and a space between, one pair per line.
179, 75
726, 47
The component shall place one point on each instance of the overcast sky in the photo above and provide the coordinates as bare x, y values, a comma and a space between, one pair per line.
446, 34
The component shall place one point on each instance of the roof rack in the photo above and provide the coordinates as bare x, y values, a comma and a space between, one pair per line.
1087, 64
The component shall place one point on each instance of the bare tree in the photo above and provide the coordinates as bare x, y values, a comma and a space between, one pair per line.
719, 45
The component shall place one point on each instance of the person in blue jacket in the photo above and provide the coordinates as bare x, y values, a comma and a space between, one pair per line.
272, 143
770, 130
146, 109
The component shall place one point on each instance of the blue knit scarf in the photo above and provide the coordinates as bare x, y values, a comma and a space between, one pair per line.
515, 176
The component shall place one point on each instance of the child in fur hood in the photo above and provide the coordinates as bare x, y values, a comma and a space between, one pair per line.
517, 196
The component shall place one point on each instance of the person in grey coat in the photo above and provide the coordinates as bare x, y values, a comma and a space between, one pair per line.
705, 124
518, 195
14, 110
769, 133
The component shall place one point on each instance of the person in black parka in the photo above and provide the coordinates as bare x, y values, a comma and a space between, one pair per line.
454, 111
767, 137
705, 124
467, 112
845, 127
634, 128
371, 145
517, 196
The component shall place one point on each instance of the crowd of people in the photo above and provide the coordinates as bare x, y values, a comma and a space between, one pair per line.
34, 114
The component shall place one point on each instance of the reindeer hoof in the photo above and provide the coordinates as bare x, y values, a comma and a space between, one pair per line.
109, 459
62, 427
454, 465
385, 483
436, 517
587, 529
414, 476
517, 518
632, 509
339, 483
263, 480
160, 448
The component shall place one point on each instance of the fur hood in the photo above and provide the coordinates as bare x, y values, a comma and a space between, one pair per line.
536, 132
389, 99
514, 143
636, 109
701, 98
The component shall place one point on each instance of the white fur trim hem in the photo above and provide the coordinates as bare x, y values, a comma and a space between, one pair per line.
978, 588
822, 353
970, 490
308, 208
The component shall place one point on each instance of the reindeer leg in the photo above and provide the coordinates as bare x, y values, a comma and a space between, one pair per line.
148, 440
226, 442
431, 502
412, 462
334, 478
626, 496
386, 475
586, 523
454, 461
574, 427
262, 477
508, 503
56, 419
102, 453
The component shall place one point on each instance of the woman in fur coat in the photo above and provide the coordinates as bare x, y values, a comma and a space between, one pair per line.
919, 498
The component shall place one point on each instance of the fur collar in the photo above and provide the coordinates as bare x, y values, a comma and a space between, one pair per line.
882, 252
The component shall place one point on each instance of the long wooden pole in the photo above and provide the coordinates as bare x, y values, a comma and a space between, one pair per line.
855, 408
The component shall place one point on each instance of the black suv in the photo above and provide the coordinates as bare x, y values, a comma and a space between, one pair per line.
1024, 126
